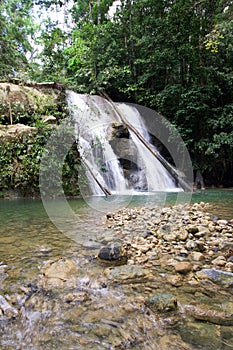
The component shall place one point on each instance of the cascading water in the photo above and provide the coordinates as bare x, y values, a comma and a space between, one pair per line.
94, 117
152, 176
92, 120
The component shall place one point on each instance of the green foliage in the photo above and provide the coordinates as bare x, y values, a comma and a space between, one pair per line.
53, 41
16, 26
173, 56
20, 164
60, 163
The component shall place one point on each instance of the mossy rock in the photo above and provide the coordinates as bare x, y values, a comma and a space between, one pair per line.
162, 302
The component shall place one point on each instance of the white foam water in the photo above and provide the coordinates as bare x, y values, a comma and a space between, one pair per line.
94, 116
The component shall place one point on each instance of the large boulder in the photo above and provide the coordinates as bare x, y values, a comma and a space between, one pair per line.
112, 254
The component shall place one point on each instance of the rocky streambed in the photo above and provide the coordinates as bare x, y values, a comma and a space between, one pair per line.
153, 278
185, 237
189, 255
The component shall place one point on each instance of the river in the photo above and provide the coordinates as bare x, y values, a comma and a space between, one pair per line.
88, 314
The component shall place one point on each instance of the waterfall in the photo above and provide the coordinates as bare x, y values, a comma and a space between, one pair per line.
94, 120
153, 175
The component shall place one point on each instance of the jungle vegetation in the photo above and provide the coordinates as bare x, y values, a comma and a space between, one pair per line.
174, 56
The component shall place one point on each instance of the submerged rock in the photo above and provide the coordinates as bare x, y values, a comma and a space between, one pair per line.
129, 274
217, 314
76, 297
58, 272
175, 280
220, 277
173, 342
91, 245
201, 335
162, 302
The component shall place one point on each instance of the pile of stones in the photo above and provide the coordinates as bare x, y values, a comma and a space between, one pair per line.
185, 236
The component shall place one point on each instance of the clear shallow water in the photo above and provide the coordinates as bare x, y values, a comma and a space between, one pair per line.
25, 210
221, 201
25, 226
28, 239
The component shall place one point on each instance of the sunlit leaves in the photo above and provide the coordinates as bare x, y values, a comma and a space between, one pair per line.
213, 40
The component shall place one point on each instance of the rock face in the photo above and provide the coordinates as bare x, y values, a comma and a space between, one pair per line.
125, 149
119, 131
119, 138
18, 99
21, 106
9, 131
27, 119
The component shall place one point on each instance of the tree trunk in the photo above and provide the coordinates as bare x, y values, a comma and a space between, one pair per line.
104, 189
